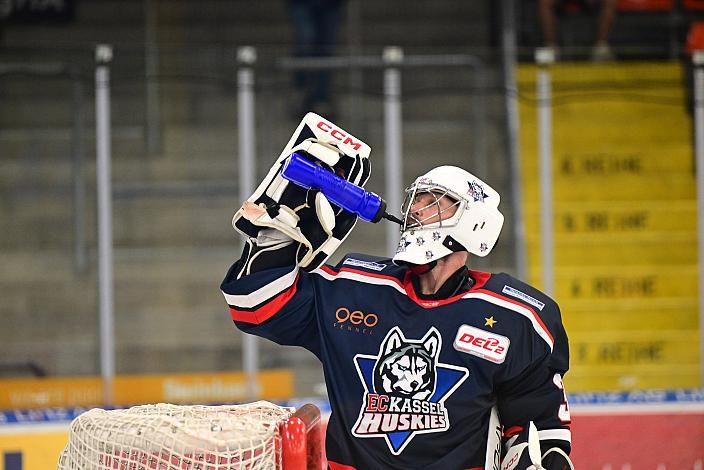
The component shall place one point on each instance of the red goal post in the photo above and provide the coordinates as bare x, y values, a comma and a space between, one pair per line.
302, 439
257, 435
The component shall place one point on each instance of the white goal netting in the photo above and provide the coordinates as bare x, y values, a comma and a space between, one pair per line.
172, 437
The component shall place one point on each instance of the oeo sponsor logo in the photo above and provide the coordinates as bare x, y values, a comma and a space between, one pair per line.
355, 321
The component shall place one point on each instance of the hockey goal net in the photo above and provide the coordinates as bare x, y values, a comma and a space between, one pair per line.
258, 435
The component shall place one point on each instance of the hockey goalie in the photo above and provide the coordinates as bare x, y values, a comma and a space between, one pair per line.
428, 364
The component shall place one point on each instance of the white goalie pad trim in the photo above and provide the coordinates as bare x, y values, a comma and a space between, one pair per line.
263, 293
492, 458
533, 443
555, 434
515, 452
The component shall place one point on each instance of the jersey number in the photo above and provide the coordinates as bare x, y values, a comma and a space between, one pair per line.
564, 412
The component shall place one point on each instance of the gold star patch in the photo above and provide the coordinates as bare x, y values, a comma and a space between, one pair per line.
490, 321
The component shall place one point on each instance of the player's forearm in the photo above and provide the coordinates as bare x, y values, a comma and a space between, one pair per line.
258, 296
276, 303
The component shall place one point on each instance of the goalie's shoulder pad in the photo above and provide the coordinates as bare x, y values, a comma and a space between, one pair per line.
549, 328
508, 286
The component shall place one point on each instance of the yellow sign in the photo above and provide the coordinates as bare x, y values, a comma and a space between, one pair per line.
31, 450
275, 384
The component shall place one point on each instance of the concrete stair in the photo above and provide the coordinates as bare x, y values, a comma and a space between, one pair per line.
172, 211
625, 229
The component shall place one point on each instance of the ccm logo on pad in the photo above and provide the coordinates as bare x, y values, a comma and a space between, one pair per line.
480, 343
339, 135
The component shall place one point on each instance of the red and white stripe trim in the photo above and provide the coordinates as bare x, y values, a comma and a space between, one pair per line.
266, 311
264, 293
529, 313
360, 276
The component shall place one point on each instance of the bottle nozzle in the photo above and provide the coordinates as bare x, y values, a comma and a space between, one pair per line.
392, 218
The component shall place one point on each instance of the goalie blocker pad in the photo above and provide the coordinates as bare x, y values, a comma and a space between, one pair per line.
304, 215
524, 453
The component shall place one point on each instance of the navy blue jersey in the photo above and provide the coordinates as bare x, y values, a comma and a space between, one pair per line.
411, 382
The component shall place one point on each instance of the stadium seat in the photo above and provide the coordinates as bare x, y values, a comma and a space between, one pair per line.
695, 37
646, 5
697, 5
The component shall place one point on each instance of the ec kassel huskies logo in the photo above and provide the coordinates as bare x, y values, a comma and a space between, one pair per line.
405, 388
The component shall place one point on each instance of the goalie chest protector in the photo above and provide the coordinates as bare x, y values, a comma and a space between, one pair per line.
411, 382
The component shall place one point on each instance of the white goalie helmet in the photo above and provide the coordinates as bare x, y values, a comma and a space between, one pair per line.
474, 226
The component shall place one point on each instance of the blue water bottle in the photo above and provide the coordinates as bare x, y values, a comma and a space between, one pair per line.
367, 205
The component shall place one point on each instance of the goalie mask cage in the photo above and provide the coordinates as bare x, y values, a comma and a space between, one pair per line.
258, 435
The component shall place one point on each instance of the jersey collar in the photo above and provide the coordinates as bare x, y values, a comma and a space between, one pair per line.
479, 279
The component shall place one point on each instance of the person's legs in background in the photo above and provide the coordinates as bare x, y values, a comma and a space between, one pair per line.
548, 22
547, 10
327, 23
303, 46
607, 13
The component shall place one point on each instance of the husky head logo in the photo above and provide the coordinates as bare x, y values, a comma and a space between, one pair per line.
405, 388
406, 368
